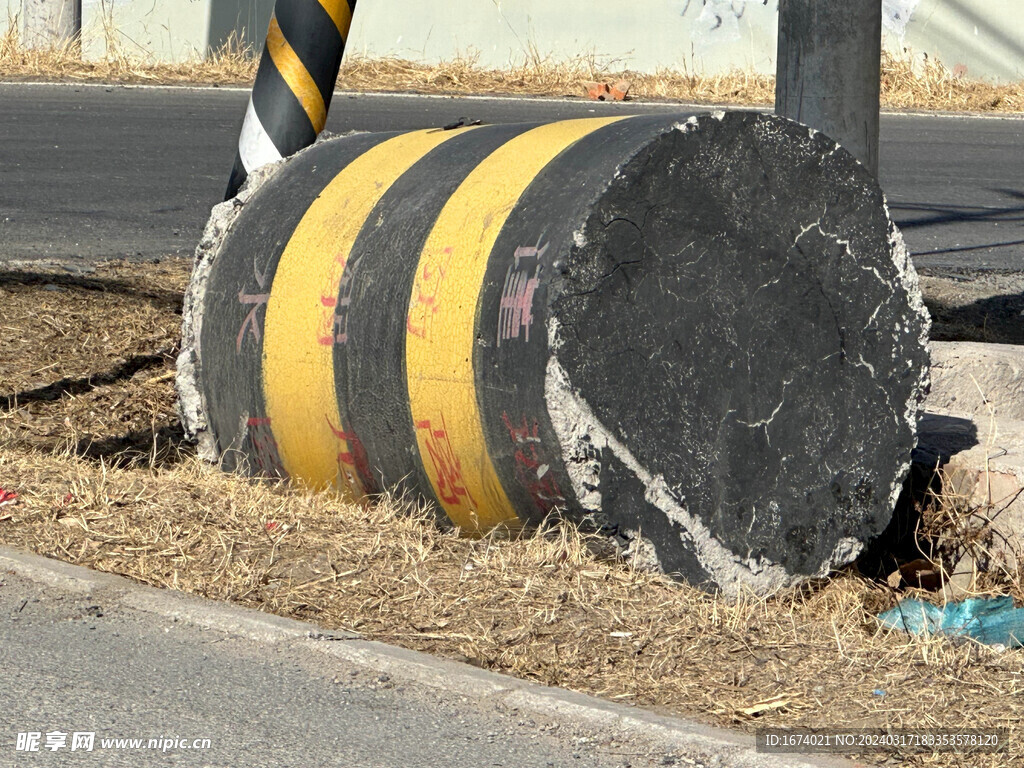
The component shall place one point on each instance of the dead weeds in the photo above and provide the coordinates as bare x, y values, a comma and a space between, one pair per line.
231, 64
554, 607
905, 84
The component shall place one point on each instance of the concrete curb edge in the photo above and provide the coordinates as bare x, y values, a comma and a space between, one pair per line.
342, 92
405, 666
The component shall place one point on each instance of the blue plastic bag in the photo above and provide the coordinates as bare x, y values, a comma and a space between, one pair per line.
990, 620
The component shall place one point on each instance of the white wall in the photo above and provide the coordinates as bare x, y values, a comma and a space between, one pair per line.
984, 37
707, 36
162, 30
168, 30
8, 10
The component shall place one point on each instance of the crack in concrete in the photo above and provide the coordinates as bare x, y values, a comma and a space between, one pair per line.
767, 422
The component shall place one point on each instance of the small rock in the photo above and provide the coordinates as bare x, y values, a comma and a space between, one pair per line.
78, 269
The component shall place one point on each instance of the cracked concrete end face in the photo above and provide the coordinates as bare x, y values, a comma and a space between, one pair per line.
738, 354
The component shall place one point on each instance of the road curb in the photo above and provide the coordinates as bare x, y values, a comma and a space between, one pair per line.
609, 105
721, 748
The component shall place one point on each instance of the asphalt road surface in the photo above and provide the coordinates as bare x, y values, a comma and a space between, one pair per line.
121, 664
104, 172
78, 664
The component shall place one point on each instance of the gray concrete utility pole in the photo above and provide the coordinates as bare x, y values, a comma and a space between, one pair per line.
829, 70
51, 23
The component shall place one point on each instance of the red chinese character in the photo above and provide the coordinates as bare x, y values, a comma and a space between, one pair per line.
530, 252
427, 288
264, 447
515, 312
451, 485
353, 461
532, 472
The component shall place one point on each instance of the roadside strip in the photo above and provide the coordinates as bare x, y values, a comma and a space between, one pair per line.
608, 105
611, 720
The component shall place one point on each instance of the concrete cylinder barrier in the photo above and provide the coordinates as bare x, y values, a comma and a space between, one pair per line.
701, 334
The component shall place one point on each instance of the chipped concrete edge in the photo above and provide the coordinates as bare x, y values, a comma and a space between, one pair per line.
733, 749
192, 407
191, 403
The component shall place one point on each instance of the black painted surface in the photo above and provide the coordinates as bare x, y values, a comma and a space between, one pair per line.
511, 354
311, 33
758, 365
369, 368
234, 308
279, 110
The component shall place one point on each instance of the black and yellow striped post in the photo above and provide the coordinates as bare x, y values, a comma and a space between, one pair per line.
294, 83
700, 333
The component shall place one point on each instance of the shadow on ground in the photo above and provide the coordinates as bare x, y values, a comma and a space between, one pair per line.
163, 298
161, 446
995, 319
908, 537
79, 386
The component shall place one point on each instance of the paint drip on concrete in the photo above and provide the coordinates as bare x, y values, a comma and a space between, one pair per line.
896, 14
717, 21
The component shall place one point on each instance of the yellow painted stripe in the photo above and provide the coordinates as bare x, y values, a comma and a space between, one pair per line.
299, 332
296, 76
440, 333
340, 14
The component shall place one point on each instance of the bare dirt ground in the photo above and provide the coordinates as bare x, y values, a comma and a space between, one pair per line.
90, 443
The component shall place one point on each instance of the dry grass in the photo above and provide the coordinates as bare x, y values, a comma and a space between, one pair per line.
931, 86
553, 607
904, 86
230, 65
544, 77
952, 544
